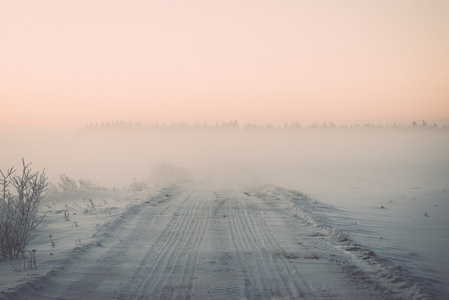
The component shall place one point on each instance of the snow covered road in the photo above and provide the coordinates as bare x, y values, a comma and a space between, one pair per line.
210, 243
226, 245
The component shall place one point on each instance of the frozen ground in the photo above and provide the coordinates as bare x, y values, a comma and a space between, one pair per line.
202, 243
317, 230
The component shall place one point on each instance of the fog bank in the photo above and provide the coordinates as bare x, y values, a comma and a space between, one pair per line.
299, 159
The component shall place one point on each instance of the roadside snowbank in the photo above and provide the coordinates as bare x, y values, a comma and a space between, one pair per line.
75, 222
381, 267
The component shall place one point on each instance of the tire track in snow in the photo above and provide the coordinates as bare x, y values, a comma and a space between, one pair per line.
167, 270
219, 274
204, 244
108, 265
268, 272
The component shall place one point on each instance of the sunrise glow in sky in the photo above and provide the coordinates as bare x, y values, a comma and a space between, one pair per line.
67, 63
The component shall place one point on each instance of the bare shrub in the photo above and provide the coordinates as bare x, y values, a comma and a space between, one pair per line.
138, 186
67, 183
167, 172
87, 185
19, 210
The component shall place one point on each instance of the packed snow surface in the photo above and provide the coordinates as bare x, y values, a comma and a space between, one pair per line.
192, 241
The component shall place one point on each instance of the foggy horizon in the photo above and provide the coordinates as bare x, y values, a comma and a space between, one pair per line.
113, 157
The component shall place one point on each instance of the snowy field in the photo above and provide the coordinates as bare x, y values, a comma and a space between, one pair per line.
309, 215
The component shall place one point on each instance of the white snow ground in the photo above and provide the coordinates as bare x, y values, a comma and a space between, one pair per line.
351, 248
202, 242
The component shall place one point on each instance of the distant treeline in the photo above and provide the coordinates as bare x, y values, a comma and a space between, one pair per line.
123, 126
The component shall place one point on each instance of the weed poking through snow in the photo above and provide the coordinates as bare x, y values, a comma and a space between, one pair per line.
51, 241
32, 261
18, 266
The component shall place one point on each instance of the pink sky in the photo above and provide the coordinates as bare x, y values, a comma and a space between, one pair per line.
67, 63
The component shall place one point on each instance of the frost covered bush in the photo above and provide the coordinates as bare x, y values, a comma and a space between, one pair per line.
67, 183
87, 185
138, 186
167, 172
19, 209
